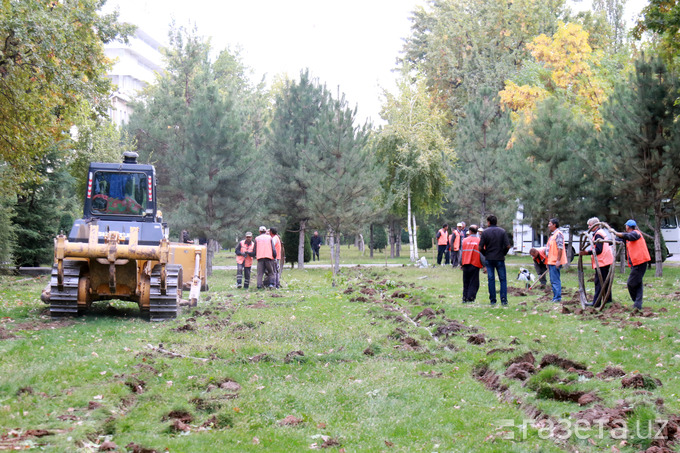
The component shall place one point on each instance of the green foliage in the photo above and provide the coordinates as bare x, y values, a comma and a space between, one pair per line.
481, 180
52, 66
639, 149
291, 243
425, 235
642, 426
662, 17
379, 237
463, 45
195, 124
7, 233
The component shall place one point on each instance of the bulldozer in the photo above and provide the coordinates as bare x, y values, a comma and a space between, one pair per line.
120, 249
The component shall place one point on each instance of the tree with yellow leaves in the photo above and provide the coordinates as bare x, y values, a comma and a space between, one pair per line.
568, 69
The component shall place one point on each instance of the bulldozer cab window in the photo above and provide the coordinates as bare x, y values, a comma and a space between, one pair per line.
119, 193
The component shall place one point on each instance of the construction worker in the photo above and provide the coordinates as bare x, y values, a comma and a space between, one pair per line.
245, 252
456, 238
494, 245
276, 280
557, 257
471, 262
638, 257
443, 244
605, 258
539, 256
265, 253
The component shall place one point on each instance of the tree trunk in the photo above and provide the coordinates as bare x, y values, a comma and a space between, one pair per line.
392, 239
658, 257
397, 238
415, 236
409, 226
370, 241
209, 258
360, 244
301, 245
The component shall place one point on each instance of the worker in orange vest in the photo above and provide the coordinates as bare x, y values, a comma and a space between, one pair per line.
471, 262
638, 257
276, 281
539, 256
245, 252
265, 253
557, 257
605, 258
457, 237
443, 244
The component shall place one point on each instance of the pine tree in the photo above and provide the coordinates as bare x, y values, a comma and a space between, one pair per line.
292, 177
640, 144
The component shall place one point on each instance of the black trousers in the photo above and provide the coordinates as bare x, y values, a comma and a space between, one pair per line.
441, 251
470, 282
541, 271
635, 284
598, 284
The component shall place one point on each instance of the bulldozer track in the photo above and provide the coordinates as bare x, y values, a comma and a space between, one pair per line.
165, 305
64, 301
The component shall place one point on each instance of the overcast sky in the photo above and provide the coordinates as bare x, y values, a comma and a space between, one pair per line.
352, 44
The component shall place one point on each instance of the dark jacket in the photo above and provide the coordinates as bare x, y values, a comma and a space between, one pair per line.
494, 243
315, 242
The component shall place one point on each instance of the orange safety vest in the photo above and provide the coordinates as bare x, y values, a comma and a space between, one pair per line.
471, 252
540, 259
455, 240
552, 249
606, 258
443, 237
637, 251
245, 249
264, 246
277, 246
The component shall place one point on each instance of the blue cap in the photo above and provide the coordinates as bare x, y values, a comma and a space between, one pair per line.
631, 223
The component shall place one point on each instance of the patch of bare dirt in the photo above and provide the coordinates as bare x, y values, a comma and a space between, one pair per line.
290, 420
399, 295
526, 357
453, 328
565, 364
477, 339
611, 372
612, 418
358, 299
258, 305
640, 381
518, 292
135, 385
368, 291
520, 371
258, 358
427, 313
585, 373
182, 416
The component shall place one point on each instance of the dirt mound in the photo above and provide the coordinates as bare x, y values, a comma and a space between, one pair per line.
349, 290
452, 328
613, 418
399, 295
518, 292
565, 364
584, 373
182, 416
489, 378
358, 299
526, 357
477, 339
640, 381
611, 372
427, 313
520, 371
368, 291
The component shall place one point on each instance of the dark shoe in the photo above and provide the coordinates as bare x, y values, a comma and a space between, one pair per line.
245, 286
505, 304
238, 286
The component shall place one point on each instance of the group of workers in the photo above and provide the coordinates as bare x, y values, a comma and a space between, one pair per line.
266, 249
476, 249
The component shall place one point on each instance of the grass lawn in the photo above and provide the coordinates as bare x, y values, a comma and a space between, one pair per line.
389, 360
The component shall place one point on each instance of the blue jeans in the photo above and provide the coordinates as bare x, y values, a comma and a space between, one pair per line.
499, 266
555, 282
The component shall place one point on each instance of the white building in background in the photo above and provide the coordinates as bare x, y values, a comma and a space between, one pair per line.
135, 66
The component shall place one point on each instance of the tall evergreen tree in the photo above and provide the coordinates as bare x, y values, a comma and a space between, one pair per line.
640, 143
297, 111
481, 180
347, 184
195, 124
